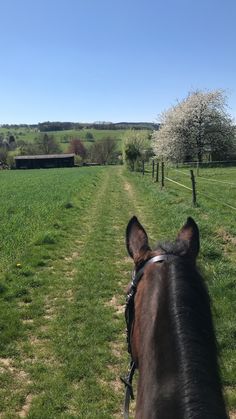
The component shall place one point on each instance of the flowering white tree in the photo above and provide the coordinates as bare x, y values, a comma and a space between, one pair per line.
197, 126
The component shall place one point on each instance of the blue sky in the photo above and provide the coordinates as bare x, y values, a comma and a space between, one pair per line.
123, 60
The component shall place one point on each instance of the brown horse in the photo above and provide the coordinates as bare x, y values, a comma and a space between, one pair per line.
170, 331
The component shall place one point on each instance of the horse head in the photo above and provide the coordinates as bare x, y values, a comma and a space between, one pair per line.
170, 331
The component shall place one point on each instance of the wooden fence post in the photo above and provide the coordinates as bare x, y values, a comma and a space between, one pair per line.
193, 187
143, 167
153, 169
162, 174
157, 172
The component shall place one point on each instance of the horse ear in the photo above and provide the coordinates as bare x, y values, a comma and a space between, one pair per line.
190, 233
136, 238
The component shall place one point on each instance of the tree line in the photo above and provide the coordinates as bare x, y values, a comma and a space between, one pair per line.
50, 126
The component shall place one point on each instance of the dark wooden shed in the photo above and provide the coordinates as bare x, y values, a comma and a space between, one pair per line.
45, 161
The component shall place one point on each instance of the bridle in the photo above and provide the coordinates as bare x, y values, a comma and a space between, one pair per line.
136, 276
129, 317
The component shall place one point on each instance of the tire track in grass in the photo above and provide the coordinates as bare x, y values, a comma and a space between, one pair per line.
140, 208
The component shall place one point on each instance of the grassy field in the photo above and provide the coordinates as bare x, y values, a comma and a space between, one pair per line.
63, 274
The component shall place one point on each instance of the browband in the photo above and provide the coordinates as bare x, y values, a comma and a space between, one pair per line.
155, 259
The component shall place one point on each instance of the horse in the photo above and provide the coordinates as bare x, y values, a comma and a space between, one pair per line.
170, 330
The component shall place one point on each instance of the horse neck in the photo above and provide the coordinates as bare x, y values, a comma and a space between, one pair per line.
178, 367
157, 387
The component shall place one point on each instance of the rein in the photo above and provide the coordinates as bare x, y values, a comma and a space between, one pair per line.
129, 317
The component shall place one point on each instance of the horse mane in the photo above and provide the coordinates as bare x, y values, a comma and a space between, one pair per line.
189, 310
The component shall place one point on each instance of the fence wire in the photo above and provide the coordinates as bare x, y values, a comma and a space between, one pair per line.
206, 195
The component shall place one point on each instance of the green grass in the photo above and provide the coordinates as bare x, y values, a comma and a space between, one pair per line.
63, 274
30, 202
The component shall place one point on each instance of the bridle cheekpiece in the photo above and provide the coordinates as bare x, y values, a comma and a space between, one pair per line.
136, 276
129, 317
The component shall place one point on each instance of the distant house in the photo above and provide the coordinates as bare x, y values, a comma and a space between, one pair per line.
45, 161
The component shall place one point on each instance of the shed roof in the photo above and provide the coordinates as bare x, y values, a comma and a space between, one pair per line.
44, 156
